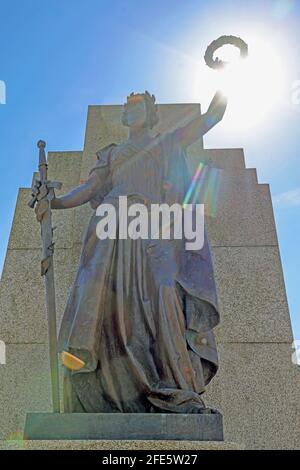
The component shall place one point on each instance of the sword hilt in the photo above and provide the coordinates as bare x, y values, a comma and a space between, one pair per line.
42, 160
47, 186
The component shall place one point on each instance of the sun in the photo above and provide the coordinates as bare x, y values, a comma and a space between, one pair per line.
254, 86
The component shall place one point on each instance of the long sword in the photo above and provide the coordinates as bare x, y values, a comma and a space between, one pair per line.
43, 211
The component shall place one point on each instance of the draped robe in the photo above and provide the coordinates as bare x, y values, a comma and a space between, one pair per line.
141, 312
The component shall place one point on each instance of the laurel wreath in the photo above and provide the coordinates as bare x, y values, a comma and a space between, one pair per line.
221, 41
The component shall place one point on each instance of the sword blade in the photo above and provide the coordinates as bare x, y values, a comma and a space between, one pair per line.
48, 272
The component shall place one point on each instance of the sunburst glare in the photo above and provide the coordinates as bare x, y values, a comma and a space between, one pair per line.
255, 85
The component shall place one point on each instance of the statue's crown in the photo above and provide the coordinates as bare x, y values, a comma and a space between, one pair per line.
138, 97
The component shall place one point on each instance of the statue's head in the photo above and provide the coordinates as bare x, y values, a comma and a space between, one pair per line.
140, 110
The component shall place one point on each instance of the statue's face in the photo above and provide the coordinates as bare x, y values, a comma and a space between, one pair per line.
136, 113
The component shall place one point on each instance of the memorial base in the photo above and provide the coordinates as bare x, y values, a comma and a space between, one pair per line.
119, 426
133, 445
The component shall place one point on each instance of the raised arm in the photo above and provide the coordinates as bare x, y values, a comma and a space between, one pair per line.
201, 124
78, 196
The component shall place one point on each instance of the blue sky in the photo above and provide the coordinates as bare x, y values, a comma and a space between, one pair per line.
57, 57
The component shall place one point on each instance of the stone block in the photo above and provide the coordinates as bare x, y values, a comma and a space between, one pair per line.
24, 386
260, 395
65, 167
174, 115
103, 127
132, 445
244, 215
226, 159
22, 293
251, 293
25, 232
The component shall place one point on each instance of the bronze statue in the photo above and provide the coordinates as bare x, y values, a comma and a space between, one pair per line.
136, 335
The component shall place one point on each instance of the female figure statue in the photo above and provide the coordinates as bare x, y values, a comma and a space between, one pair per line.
136, 335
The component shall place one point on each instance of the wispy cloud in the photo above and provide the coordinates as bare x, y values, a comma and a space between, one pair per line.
288, 199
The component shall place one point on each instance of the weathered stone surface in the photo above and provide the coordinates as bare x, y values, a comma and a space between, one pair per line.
24, 386
251, 293
103, 127
65, 167
260, 395
118, 445
130, 426
22, 300
244, 214
226, 159
25, 233
247, 315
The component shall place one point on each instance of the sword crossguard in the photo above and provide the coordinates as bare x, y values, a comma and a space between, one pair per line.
40, 191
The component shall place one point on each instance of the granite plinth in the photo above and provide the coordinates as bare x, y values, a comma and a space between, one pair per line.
127, 426
133, 445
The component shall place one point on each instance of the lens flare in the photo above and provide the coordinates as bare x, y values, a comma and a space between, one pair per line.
16, 440
254, 86
204, 188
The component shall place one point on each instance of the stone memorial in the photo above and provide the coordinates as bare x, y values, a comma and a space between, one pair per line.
138, 315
